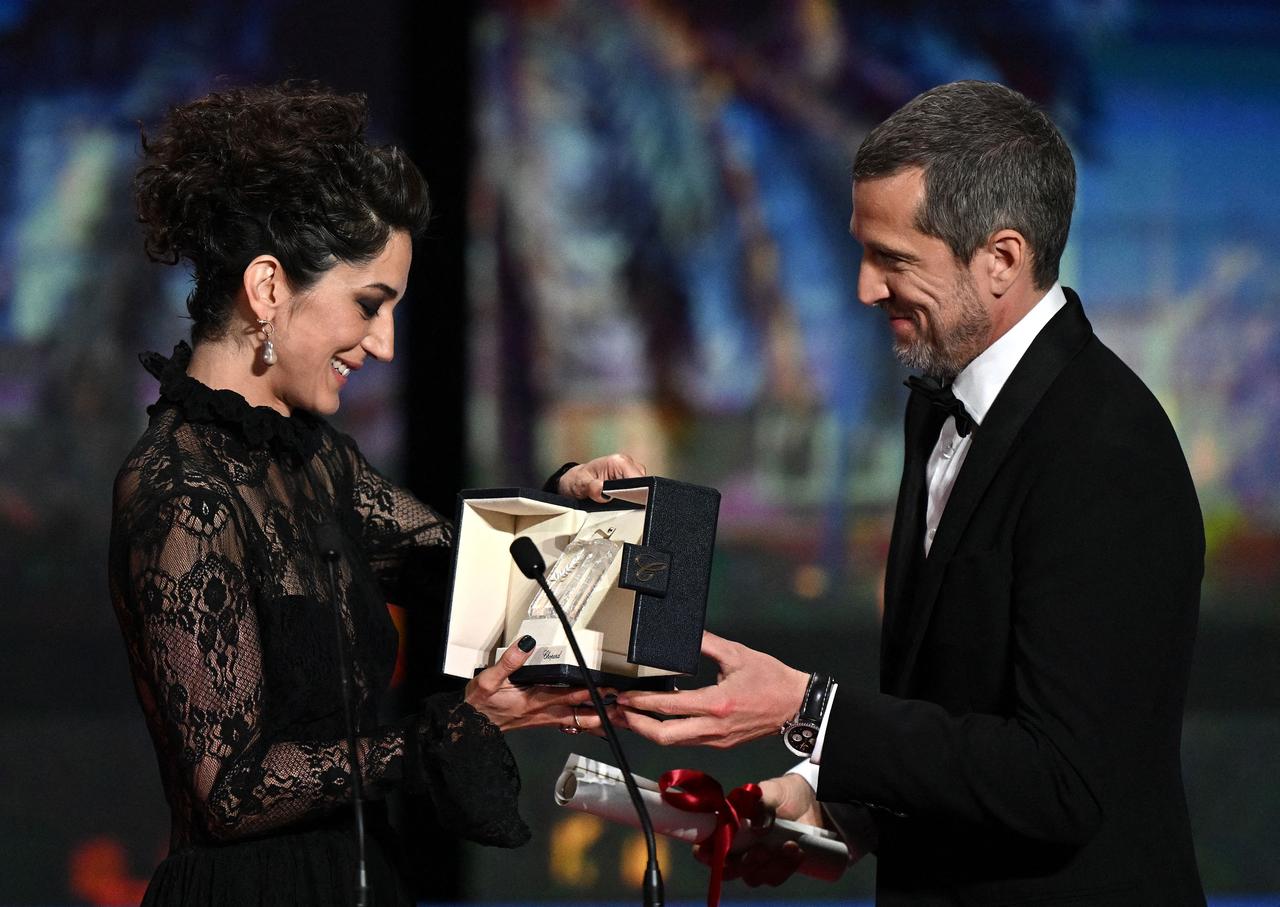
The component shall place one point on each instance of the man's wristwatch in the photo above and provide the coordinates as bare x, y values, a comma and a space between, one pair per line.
800, 734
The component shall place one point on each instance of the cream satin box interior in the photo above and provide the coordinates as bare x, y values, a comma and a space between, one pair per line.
639, 625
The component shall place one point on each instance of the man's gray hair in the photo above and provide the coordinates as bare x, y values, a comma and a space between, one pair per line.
992, 160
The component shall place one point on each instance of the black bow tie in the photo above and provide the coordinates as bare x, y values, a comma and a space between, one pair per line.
941, 396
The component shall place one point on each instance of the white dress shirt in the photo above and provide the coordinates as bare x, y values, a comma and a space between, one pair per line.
976, 387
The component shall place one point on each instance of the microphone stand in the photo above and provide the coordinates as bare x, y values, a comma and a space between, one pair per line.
531, 565
330, 553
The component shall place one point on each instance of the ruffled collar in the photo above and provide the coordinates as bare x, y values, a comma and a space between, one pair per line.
257, 426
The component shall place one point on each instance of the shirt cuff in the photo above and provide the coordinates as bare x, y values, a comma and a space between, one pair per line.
808, 771
816, 756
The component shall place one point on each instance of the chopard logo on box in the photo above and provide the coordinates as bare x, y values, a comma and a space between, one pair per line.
647, 567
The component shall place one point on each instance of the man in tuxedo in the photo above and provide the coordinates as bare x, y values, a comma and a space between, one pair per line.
1044, 571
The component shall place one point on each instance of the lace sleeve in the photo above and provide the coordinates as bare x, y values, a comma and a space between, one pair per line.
402, 537
187, 605
188, 611
461, 761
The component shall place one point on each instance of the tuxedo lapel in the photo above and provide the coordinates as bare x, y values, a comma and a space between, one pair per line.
906, 547
1059, 342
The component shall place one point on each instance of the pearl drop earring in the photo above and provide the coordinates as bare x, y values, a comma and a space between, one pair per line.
268, 348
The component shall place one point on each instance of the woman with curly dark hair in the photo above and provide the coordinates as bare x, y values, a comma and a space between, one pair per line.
300, 236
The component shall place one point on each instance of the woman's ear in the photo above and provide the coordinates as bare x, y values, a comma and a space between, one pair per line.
265, 287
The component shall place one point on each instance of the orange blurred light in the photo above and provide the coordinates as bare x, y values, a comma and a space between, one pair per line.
99, 874
400, 618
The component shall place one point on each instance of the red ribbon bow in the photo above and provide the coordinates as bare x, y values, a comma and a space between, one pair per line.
698, 792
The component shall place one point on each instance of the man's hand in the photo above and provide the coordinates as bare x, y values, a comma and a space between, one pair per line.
788, 797
791, 797
586, 480
754, 694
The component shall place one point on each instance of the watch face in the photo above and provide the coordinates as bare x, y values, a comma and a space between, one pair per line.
801, 737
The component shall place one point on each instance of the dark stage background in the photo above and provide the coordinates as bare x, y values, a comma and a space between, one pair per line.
640, 243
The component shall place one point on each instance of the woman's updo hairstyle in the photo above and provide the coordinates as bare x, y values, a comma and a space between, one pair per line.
282, 170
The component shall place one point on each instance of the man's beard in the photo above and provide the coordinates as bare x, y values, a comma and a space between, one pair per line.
954, 343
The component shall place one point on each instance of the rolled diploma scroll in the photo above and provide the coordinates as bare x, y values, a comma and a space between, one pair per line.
597, 788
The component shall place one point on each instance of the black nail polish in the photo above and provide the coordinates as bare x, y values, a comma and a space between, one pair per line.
526, 643
609, 699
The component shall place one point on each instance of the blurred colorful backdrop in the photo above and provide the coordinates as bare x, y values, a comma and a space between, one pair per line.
641, 243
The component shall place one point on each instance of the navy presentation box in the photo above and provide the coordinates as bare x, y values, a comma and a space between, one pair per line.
643, 624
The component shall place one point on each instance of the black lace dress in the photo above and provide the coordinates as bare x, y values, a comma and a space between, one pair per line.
224, 604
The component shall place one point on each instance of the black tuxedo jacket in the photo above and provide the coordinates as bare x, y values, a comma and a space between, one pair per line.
1024, 746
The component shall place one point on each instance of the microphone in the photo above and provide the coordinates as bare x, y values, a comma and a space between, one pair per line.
529, 560
329, 541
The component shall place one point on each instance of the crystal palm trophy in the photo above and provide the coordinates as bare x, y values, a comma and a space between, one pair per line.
576, 575
578, 578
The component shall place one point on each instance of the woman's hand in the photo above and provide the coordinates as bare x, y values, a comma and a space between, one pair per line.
586, 480
492, 693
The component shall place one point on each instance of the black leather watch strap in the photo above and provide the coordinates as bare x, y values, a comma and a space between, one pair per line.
800, 734
814, 704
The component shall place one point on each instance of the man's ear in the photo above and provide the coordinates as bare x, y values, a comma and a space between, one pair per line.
1007, 258
265, 288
